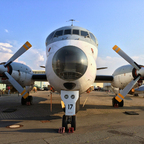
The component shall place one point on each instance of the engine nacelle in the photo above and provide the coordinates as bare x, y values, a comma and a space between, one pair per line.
21, 73
123, 76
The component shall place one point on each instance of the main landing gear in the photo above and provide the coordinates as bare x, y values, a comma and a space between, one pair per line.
27, 101
69, 120
115, 103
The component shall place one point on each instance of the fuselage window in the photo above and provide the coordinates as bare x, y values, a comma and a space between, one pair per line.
58, 33
68, 31
85, 34
92, 37
76, 32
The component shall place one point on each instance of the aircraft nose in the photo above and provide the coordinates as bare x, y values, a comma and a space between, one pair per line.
70, 63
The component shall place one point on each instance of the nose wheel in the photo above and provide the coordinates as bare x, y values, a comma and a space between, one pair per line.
69, 120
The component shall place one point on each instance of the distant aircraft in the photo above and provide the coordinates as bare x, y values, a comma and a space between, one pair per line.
71, 70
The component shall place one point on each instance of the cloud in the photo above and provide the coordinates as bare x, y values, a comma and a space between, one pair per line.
4, 57
5, 47
33, 58
111, 62
6, 31
114, 62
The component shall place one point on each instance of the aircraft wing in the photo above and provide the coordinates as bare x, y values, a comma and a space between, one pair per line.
139, 90
103, 79
98, 79
39, 77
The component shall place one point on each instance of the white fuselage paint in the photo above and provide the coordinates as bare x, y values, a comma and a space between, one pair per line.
84, 82
21, 73
122, 76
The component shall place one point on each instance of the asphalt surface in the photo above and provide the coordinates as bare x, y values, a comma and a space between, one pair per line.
97, 121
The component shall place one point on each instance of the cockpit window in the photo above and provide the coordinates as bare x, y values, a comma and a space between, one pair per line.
49, 38
85, 34
92, 37
58, 33
67, 31
76, 32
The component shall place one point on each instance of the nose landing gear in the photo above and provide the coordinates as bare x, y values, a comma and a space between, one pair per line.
69, 120
71, 102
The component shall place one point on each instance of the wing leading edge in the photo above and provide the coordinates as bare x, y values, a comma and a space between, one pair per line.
104, 79
39, 77
98, 79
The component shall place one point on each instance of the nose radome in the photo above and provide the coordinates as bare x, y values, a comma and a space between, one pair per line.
69, 63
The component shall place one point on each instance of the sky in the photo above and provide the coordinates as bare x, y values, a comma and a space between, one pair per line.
113, 22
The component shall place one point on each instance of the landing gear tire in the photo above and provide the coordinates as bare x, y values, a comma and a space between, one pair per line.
136, 95
64, 122
29, 100
115, 103
69, 120
73, 122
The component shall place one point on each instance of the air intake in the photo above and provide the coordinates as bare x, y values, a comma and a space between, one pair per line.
69, 86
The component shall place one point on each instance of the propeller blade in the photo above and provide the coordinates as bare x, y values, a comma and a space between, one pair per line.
125, 91
23, 49
126, 57
17, 86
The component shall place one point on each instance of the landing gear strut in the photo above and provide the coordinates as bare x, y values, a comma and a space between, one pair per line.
115, 103
27, 101
69, 120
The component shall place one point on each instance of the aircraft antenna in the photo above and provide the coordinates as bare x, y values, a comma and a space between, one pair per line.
72, 20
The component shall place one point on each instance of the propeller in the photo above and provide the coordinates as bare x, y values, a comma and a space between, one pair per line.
17, 86
139, 71
4, 68
23, 49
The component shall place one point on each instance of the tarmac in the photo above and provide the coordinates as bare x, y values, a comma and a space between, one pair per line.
97, 121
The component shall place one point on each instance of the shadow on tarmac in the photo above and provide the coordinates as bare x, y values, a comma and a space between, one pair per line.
40, 110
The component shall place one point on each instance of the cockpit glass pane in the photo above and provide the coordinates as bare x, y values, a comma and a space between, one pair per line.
76, 32
68, 31
49, 38
58, 33
84, 33
92, 37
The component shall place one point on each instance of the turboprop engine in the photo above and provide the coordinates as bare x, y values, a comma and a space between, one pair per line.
126, 77
20, 72
17, 74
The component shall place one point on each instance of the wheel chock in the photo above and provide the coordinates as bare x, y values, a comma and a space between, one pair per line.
28, 103
116, 105
61, 130
71, 130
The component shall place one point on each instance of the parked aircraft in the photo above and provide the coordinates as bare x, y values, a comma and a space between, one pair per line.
71, 70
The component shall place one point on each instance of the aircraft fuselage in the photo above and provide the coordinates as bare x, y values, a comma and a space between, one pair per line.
71, 59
